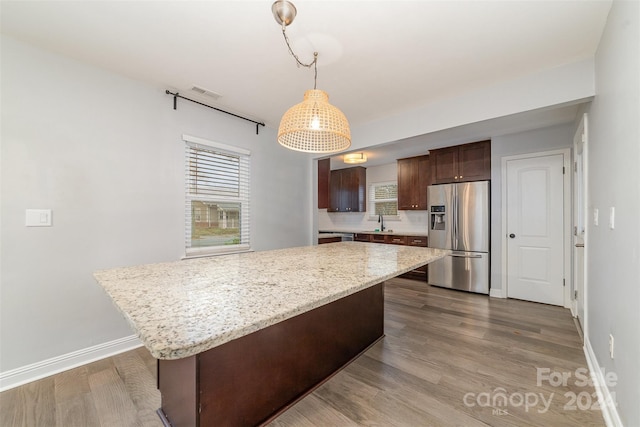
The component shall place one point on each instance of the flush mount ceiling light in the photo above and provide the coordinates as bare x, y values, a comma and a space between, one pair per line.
355, 158
314, 125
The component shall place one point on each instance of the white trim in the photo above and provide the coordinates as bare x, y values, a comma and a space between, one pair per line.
503, 234
497, 293
218, 145
567, 218
207, 252
584, 323
48, 367
568, 223
587, 203
573, 308
605, 399
242, 198
372, 200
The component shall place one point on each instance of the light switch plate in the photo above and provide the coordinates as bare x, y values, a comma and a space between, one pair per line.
38, 218
596, 214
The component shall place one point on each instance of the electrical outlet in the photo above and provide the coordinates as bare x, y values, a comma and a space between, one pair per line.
611, 345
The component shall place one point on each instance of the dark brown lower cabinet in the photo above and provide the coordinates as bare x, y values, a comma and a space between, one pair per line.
419, 273
362, 237
323, 240
252, 379
378, 238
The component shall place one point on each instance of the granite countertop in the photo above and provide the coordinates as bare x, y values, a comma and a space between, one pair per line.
182, 308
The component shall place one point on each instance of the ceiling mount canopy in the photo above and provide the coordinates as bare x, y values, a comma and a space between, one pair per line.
284, 12
314, 125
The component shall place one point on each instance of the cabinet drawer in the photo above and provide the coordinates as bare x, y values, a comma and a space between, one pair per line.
396, 240
362, 237
378, 238
417, 241
323, 240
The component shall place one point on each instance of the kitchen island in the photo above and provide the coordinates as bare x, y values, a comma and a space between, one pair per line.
242, 337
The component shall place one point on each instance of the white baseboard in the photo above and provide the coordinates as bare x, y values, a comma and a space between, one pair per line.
45, 368
496, 293
605, 399
574, 308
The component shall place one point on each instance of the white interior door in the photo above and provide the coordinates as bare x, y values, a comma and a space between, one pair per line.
580, 219
535, 243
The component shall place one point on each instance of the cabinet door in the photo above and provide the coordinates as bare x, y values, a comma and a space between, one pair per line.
396, 240
336, 197
324, 176
417, 241
414, 176
354, 181
347, 190
474, 161
379, 238
350, 188
407, 182
424, 181
444, 165
362, 237
419, 273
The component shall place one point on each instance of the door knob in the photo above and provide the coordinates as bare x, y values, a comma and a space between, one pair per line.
512, 235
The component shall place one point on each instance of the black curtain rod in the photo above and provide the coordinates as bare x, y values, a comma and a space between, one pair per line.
175, 107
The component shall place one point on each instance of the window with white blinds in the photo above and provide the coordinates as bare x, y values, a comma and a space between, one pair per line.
383, 198
217, 197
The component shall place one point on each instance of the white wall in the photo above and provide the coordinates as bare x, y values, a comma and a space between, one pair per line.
613, 260
406, 221
105, 153
546, 139
567, 84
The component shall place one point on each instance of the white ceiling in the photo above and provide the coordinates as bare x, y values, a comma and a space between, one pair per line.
376, 58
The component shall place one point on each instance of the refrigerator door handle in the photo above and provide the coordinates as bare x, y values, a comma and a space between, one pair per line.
454, 217
465, 256
457, 221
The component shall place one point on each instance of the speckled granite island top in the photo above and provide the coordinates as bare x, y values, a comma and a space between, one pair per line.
183, 308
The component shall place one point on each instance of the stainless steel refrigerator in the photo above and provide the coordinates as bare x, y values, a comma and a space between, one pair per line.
459, 220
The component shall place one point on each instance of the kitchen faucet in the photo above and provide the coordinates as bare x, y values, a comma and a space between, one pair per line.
381, 222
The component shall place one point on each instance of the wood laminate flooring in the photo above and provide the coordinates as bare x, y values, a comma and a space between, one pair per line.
448, 359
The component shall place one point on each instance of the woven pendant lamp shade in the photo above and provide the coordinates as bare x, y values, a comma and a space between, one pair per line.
314, 125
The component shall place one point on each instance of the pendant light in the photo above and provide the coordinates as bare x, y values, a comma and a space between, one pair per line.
314, 125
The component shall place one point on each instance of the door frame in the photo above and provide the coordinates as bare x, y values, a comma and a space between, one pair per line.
582, 129
566, 218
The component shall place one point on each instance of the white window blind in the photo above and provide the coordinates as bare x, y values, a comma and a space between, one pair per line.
217, 178
383, 198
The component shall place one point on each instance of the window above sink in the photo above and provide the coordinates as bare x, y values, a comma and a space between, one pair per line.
383, 199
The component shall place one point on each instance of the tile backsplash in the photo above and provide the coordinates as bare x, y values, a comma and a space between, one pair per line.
405, 221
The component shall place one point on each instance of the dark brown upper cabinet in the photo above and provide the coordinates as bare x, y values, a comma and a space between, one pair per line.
324, 174
461, 163
414, 176
347, 190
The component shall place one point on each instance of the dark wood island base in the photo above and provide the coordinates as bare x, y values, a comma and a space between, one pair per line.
251, 380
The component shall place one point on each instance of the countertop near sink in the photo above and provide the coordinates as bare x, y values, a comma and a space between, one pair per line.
394, 232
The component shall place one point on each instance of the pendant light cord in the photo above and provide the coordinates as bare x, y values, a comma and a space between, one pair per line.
313, 63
